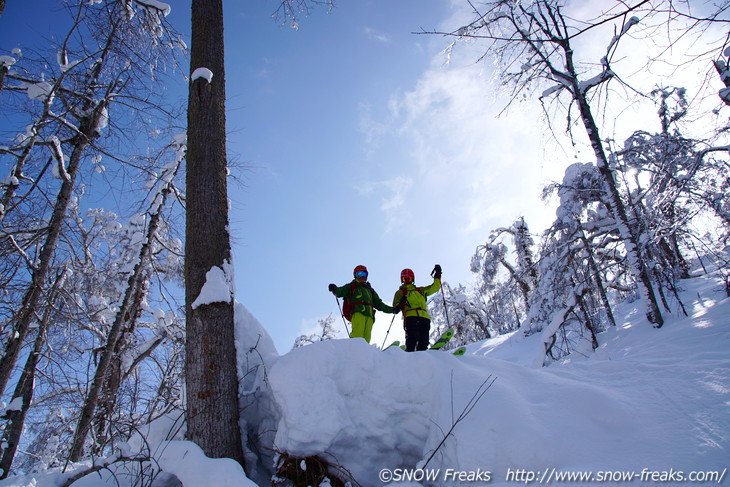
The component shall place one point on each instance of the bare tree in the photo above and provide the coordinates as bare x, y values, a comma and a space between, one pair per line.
328, 332
291, 9
102, 394
24, 389
87, 130
538, 37
100, 66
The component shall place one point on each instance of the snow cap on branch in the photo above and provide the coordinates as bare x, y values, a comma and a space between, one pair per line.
7, 61
163, 7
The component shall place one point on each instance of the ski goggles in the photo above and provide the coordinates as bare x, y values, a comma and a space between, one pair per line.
361, 274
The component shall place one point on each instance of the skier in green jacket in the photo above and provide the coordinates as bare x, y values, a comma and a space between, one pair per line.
361, 301
417, 321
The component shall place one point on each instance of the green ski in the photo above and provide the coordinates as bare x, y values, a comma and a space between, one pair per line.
459, 351
443, 340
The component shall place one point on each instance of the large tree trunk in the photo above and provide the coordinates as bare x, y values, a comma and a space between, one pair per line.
210, 365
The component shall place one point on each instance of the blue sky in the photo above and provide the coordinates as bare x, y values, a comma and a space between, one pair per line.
352, 128
355, 142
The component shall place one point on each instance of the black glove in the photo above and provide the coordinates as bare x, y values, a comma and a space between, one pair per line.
332, 288
436, 273
399, 308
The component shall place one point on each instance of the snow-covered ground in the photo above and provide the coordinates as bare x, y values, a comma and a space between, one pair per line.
650, 405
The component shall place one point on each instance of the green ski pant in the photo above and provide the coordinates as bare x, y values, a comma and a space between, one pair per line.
362, 326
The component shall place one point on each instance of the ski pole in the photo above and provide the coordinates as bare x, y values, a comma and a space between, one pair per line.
343, 315
388, 332
446, 312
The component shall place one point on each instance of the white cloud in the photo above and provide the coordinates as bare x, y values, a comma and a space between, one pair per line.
376, 35
472, 167
392, 194
371, 128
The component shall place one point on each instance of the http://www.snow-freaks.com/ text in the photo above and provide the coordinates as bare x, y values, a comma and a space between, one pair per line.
551, 475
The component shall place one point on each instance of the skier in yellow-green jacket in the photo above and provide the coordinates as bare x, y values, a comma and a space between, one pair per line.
417, 322
361, 301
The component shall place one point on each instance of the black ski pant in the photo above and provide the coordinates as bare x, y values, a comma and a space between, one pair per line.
418, 330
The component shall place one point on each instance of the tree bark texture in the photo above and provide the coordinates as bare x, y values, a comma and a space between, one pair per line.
210, 365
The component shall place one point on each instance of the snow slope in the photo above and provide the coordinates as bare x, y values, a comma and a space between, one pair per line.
647, 399
654, 404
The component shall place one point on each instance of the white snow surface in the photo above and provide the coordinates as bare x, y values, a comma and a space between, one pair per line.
647, 400
218, 287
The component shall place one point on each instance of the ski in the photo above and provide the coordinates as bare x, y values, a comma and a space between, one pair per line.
443, 340
458, 352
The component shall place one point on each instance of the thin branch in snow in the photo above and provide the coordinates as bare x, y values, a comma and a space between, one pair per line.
468, 408
26, 258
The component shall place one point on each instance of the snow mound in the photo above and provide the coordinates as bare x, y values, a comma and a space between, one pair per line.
177, 464
255, 355
357, 406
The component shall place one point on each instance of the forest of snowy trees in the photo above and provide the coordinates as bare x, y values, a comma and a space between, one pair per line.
629, 222
92, 244
89, 291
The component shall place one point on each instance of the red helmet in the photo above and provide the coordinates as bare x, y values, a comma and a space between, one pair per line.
407, 275
360, 268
